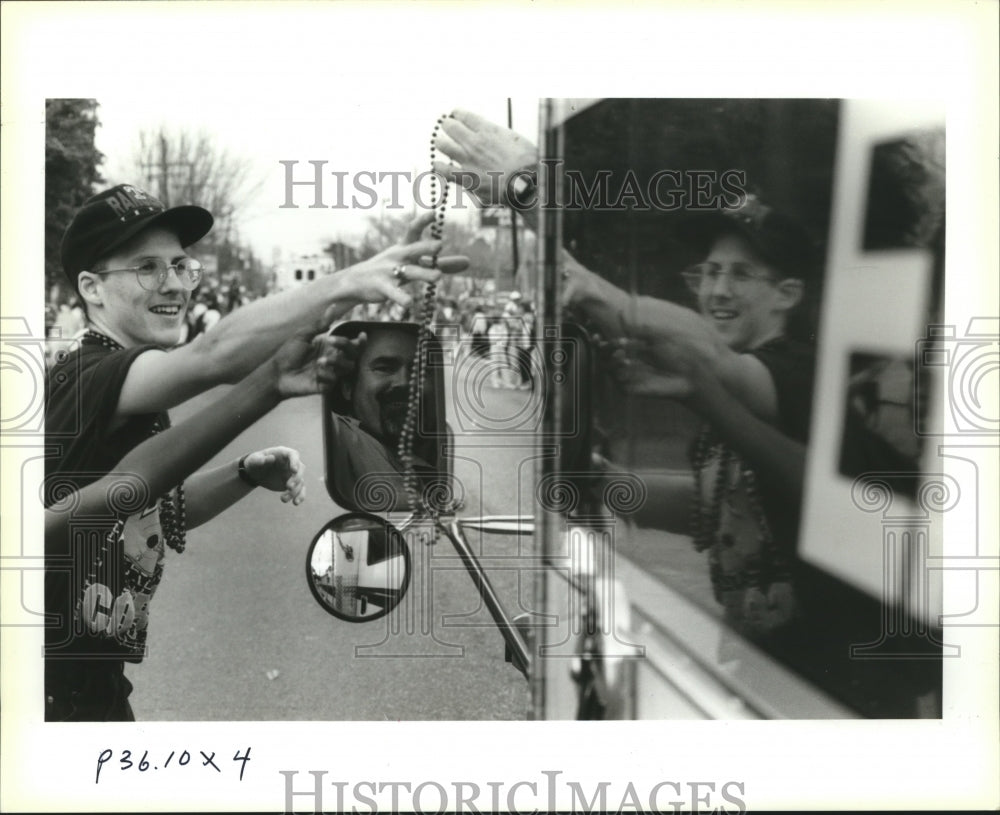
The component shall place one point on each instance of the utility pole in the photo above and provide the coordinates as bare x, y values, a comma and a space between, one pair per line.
513, 212
163, 168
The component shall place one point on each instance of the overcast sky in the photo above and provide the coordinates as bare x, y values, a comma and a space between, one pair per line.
351, 133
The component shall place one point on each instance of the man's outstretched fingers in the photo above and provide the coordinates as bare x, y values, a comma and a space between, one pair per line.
453, 263
452, 147
468, 119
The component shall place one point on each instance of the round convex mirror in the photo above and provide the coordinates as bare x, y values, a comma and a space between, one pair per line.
358, 567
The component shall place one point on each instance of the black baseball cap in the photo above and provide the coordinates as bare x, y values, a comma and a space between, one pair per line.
780, 240
352, 328
111, 218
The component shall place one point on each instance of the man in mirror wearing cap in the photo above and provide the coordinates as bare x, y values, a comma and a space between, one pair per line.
368, 412
124, 253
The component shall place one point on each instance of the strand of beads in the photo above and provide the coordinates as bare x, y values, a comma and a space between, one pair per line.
172, 509
705, 521
776, 563
425, 317
699, 536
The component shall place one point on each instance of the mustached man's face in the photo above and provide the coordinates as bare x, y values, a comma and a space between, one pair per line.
381, 389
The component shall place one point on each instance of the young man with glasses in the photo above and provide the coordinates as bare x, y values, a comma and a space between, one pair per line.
735, 364
124, 253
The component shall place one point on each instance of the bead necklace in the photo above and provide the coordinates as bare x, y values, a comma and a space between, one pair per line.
707, 517
172, 510
415, 500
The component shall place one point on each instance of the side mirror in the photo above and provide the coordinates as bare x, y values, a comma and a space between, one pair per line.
358, 567
363, 473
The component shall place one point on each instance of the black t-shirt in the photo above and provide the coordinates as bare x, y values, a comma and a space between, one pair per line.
792, 367
101, 574
830, 617
82, 393
747, 524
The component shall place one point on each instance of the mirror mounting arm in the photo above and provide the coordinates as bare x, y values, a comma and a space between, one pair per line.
514, 639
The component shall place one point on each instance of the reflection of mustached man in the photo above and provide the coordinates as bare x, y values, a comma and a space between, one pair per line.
370, 410
392, 406
379, 392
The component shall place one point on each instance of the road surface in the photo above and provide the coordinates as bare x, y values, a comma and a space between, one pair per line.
236, 635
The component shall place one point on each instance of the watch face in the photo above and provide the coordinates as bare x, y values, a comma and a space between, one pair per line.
522, 191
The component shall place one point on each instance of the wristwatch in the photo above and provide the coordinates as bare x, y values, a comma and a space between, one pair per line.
241, 471
522, 189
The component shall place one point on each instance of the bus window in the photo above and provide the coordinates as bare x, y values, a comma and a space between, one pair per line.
712, 247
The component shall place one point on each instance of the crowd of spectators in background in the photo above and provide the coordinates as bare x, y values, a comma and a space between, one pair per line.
66, 322
498, 327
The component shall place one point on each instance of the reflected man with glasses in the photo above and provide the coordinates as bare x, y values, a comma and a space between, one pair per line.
124, 254
732, 360
735, 363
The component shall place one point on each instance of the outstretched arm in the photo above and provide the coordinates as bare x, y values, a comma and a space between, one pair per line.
673, 338
778, 458
775, 456
278, 469
486, 159
669, 495
302, 365
241, 341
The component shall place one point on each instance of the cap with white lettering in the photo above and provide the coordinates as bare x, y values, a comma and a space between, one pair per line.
116, 215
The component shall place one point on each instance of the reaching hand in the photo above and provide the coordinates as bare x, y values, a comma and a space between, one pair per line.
640, 378
481, 147
375, 280
581, 288
278, 469
310, 362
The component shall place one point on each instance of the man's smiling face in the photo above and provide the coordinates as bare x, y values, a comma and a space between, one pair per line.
131, 314
381, 389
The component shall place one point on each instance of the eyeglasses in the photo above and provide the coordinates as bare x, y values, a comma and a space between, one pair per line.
740, 275
152, 273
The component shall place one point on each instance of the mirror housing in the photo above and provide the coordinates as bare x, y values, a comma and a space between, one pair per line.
363, 474
358, 567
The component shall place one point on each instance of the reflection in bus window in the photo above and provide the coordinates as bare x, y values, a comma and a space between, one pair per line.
705, 315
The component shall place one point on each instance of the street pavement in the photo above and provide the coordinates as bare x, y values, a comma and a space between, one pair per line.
235, 633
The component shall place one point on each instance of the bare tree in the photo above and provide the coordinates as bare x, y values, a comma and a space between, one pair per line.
182, 167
